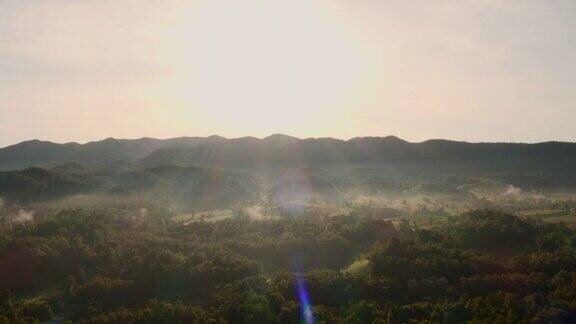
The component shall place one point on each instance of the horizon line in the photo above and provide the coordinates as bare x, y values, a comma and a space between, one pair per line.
390, 137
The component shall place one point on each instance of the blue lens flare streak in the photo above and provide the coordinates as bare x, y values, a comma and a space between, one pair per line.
304, 299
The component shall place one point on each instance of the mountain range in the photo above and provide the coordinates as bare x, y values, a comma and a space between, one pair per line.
213, 172
281, 151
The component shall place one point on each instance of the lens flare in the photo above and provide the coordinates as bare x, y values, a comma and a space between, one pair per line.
304, 299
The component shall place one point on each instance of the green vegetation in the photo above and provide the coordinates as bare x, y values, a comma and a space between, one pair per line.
209, 230
124, 265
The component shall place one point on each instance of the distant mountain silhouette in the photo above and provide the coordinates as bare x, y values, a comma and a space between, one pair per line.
214, 172
35, 153
279, 152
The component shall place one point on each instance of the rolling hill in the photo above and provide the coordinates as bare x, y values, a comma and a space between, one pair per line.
548, 164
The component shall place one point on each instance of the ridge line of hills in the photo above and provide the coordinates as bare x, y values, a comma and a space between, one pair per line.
272, 137
286, 151
206, 172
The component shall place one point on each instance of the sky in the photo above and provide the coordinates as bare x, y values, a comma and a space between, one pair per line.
473, 70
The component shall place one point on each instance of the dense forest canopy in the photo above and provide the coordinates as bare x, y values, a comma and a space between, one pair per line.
124, 265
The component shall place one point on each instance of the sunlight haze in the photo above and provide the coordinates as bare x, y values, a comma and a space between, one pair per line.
466, 70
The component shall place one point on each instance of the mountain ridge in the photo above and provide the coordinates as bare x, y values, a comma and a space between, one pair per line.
280, 151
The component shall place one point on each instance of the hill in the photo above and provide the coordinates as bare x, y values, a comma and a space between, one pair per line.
552, 162
185, 187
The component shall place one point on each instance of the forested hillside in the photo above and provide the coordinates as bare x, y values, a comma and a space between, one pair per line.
211, 230
281, 152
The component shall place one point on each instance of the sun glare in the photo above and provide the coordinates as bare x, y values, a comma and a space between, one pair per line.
255, 58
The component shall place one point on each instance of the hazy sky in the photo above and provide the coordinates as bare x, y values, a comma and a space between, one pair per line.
477, 70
